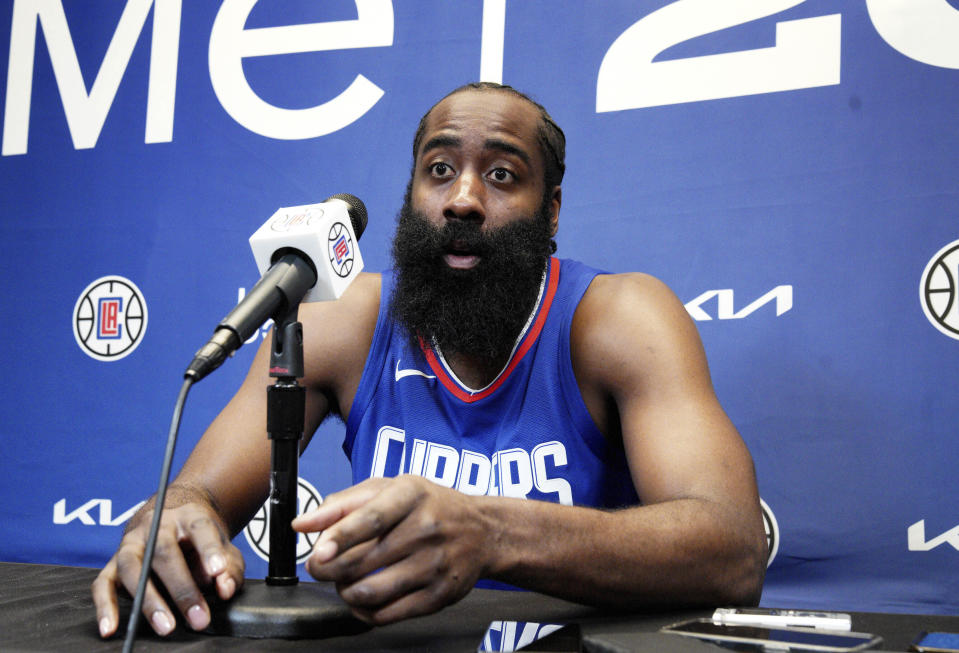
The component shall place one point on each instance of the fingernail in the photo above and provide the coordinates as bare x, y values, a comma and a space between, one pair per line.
357, 594
161, 622
325, 551
227, 587
197, 617
105, 627
216, 563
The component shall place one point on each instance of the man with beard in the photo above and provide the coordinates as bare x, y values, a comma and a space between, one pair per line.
510, 417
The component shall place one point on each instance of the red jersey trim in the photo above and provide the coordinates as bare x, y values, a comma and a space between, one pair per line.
551, 284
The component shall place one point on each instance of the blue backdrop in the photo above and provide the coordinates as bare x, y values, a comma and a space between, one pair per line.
787, 167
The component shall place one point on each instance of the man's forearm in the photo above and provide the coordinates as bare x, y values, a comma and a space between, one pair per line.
682, 552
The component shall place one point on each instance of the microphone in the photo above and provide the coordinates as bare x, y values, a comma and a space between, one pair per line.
305, 253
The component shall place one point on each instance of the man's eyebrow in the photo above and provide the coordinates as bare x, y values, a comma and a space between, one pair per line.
438, 142
507, 148
495, 144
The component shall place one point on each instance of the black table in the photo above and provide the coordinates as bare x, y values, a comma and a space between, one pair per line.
48, 608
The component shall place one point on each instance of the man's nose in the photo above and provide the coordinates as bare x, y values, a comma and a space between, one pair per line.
466, 198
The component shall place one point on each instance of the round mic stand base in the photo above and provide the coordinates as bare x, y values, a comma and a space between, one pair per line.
301, 611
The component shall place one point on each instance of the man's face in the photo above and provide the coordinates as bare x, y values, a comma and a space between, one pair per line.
475, 230
480, 162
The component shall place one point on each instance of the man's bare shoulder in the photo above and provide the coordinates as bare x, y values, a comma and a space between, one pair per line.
629, 324
633, 300
363, 295
360, 301
337, 335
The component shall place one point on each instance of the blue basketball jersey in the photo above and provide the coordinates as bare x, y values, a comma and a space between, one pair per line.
528, 434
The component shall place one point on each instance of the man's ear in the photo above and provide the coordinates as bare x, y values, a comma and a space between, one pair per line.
556, 199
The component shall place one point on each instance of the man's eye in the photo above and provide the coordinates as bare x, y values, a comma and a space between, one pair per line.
501, 174
440, 169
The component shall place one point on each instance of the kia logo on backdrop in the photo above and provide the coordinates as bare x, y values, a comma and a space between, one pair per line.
110, 318
725, 305
919, 540
937, 290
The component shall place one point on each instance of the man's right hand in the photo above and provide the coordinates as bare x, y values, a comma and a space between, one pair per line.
193, 552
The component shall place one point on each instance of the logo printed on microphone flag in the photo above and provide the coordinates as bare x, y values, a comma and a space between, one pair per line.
297, 220
341, 250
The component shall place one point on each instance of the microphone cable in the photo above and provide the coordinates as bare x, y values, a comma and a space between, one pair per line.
157, 513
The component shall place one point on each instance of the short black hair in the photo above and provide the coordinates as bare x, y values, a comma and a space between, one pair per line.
552, 140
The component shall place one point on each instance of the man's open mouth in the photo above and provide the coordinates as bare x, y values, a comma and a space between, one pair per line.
460, 256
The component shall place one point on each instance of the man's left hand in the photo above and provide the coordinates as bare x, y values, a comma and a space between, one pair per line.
427, 545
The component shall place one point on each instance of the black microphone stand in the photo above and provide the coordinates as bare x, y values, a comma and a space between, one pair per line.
281, 607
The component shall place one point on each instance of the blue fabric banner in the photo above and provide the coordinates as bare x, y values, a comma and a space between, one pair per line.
787, 167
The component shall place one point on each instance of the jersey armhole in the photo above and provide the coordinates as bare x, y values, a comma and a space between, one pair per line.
575, 405
369, 380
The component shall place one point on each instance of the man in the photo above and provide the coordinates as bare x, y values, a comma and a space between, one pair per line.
502, 372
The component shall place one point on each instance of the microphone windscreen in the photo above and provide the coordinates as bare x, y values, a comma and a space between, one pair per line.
357, 211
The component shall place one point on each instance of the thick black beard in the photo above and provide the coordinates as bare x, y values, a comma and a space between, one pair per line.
477, 312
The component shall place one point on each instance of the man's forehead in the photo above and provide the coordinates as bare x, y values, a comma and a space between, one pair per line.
488, 114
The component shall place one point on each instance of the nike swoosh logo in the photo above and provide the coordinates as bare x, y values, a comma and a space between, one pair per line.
410, 372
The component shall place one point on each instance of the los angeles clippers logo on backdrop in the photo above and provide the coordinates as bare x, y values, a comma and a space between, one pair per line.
341, 249
937, 290
109, 318
257, 532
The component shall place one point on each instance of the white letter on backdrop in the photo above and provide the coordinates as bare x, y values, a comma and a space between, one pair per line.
806, 54
493, 39
230, 43
86, 112
924, 30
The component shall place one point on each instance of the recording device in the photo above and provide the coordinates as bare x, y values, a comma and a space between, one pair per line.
760, 638
305, 253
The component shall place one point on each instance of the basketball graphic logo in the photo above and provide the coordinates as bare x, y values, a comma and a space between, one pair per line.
772, 532
257, 532
937, 290
341, 249
109, 318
